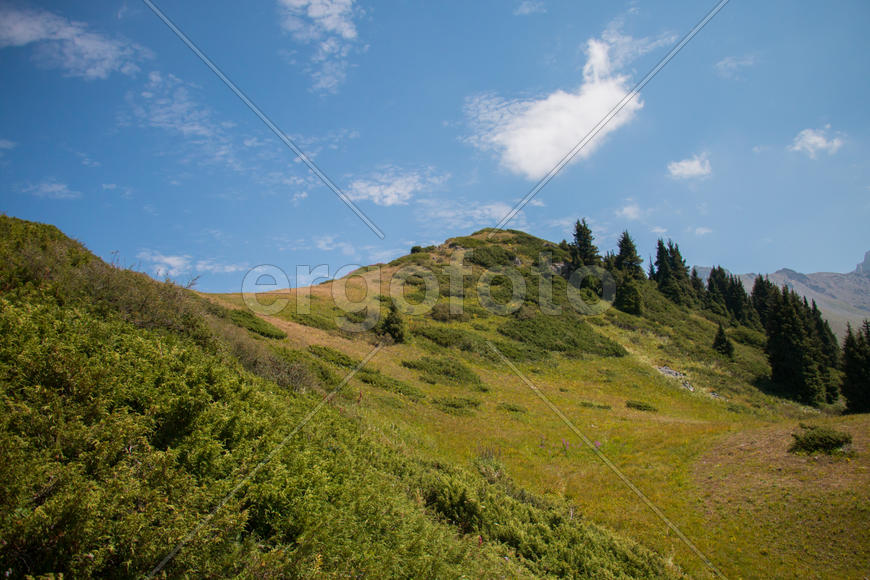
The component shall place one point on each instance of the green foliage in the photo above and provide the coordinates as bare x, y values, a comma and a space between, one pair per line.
856, 369
640, 406
489, 256
441, 312
255, 324
513, 408
583, 251
333, 356
462, 406
128, 414
381, 381
627, 260
564, 333
819, 439
392, 325
443, 370
628, 297
722, 344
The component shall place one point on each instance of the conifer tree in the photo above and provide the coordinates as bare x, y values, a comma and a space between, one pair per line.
792, 354
722, 343
856, 369
583, 251
392, 324
627, 259
628, 297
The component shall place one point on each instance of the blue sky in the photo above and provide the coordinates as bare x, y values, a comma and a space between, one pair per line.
750, 149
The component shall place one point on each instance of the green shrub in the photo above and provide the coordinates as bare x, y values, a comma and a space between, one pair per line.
564, 333
512, 408
491, 256
819, 439
441, 313
640, 406
444, 370
462, 406
248, 320
333, 356
375, 378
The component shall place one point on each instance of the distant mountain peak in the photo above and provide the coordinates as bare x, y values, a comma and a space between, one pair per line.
864, 267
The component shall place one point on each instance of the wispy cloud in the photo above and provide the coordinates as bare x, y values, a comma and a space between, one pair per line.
731, 67
659, 230
695, 167
630, 211
811, 141
702, 231
51, 189
68, 45
531, 135
163, 265
329, 26
173, 265
168, 103
6, 145
394, 186
462, 215
330, 243
527, 7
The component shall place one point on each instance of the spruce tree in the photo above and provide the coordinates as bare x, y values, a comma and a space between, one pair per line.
392, 324
722, 343
856, 369
627, 259
628, 297
583, 251
792, 354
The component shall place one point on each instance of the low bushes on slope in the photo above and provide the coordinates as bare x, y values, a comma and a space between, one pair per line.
562, 333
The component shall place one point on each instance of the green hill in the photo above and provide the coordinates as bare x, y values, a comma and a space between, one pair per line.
137, 414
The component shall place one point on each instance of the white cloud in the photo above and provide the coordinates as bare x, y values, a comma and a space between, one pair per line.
702, 231
328, 244
811, 141
730, 66
213, 267
393, 186
530, 136
694, 167
6, 145
52, 189
327, 25
629, 211
163, 265
110, 186
69, 45
462, 215
659, 230
527, 7
166, 103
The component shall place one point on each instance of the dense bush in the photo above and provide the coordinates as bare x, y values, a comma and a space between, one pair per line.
443, 370
564, 333
456, 405
818, 439
246, 319
640, 406
491, 256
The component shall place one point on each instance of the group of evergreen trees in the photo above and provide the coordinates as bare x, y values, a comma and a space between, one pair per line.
802, 350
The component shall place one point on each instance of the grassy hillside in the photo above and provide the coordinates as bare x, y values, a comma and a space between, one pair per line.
696, 431
134, 413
